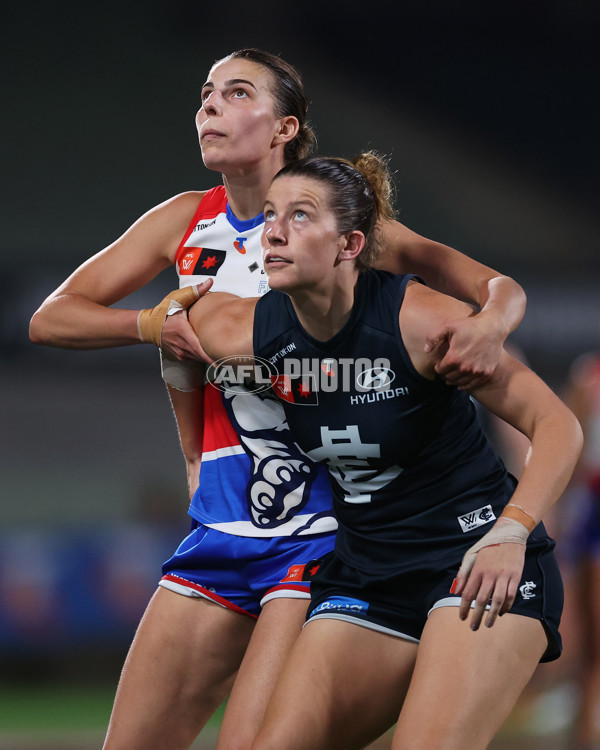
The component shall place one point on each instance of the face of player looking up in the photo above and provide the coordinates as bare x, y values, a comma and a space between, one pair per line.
302, 246
236, 123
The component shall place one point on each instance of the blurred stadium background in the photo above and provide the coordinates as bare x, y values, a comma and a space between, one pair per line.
489, 116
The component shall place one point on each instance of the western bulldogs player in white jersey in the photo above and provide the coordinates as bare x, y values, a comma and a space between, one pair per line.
434, 535
188, 649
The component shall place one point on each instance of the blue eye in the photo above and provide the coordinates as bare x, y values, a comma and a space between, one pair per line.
300, 215
269, 215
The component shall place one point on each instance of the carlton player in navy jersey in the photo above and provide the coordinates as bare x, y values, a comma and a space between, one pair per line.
262, 508
435, 537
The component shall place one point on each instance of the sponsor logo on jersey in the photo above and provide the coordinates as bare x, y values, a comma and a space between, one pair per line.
204, 225
296, 390
476, 518
375, 378
239, 245
527, 591
340, 605
228, 373
201, 261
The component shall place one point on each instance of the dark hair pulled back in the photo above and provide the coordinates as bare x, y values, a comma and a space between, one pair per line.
290, 98
360, 195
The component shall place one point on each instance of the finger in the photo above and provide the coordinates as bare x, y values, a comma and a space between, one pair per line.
478, 610
497, 602
203, 287
431, 345
511, 595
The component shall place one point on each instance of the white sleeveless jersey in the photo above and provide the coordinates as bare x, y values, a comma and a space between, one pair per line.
219, 246
250, 462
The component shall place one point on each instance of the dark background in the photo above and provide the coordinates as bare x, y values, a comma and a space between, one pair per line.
489, 114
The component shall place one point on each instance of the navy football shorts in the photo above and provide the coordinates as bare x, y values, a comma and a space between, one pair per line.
244, 573
400, 604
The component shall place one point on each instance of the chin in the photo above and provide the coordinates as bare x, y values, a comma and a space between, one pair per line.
278, 282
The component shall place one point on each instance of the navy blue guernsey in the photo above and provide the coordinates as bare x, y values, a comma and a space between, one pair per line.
414, 478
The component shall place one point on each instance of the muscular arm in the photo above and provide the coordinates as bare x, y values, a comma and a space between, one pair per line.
78, 315
224, 324
472, 345
189, 415
514, 393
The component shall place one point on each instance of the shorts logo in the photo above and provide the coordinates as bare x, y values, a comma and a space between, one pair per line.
476, 518
341, 604
527, 591
375, 378
298, 573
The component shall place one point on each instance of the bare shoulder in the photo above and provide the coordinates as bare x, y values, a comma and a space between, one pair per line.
423, 311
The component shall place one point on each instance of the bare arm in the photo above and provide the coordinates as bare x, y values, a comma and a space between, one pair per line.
189, 415
514, 393
78, 315
472, 345
224, 324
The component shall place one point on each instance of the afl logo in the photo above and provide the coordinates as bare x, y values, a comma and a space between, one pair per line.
375, 379
254, 373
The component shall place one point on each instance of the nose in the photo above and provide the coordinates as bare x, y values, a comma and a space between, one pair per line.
274, 232
213, 103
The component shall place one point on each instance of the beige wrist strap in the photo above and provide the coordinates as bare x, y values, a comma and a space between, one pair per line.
518, 514
151, 321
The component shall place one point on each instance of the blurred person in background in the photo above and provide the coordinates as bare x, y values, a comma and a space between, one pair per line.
582, 536
204, 617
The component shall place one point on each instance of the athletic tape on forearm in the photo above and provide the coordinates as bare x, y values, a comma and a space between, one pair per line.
503, 531
151, 321
518, 514
183, 376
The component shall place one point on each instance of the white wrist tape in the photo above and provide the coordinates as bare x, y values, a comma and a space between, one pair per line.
505, 530
183, 376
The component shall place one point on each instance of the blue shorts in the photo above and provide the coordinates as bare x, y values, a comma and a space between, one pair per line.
400, 604
243, 573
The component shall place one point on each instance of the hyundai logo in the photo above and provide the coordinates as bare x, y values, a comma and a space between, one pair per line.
375, 379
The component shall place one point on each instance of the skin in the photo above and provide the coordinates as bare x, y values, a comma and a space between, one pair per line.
461, 671
241, 137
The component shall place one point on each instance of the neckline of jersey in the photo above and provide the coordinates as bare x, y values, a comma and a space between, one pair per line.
243, 225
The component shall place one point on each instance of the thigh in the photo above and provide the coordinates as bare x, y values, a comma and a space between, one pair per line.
341, 687
179, 669
275, 632
466, 683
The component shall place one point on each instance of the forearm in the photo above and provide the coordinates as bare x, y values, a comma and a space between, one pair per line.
71, 321
188, 410
555, 448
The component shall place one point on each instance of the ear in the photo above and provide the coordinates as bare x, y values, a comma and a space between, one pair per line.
287, 130
352, 247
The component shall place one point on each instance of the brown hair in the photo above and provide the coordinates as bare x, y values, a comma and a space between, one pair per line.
360, 195
290, 98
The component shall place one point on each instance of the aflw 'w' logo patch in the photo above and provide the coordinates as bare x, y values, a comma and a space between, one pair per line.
476, 518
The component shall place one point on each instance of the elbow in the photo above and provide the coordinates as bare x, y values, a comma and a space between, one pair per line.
38, 333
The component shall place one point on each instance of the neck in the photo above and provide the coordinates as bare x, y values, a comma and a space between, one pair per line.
247, 189
324, 310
